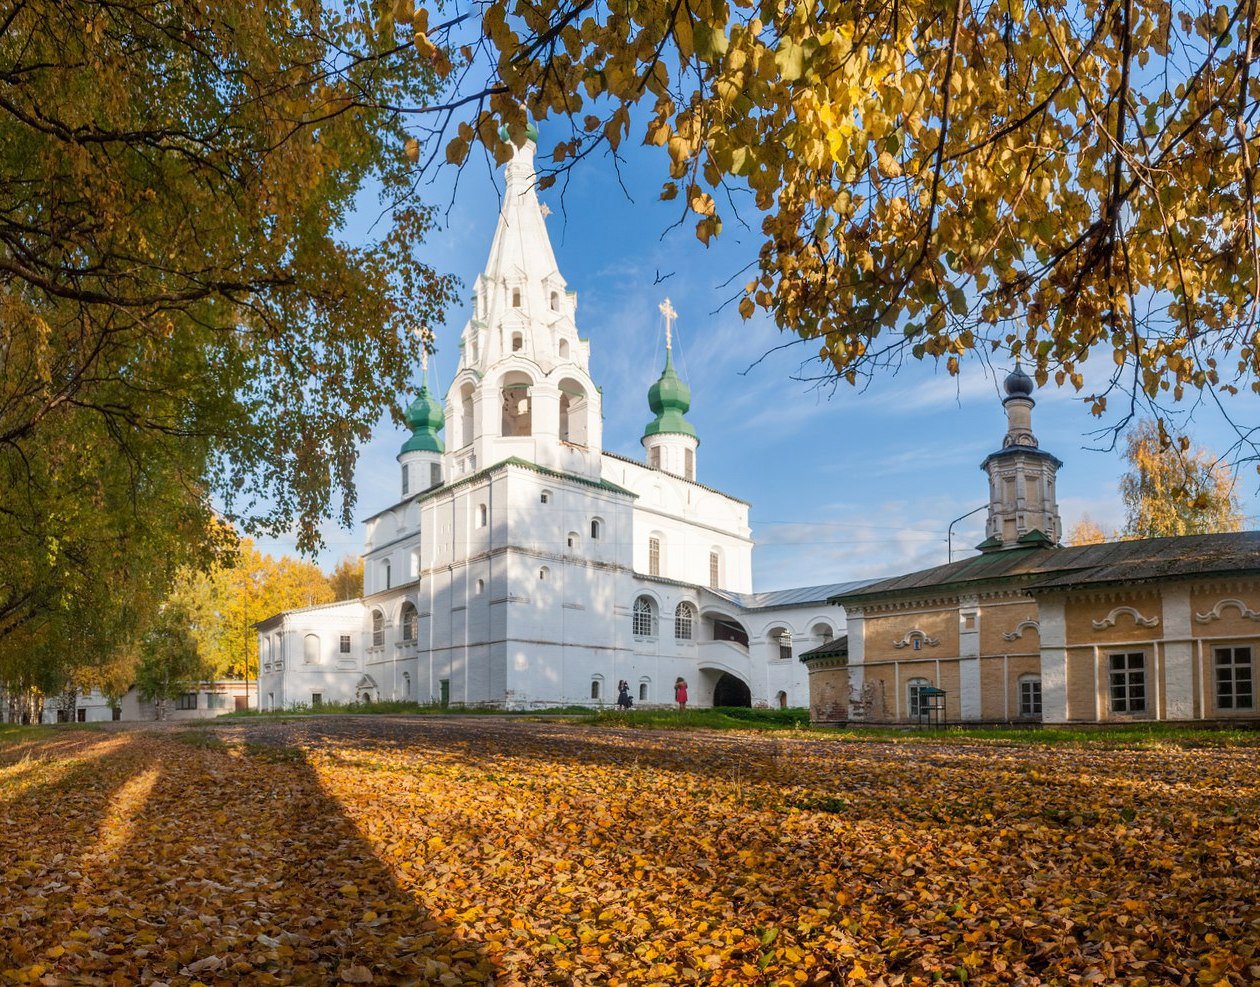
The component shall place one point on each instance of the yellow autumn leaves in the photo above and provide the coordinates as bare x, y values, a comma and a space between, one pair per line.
459, 851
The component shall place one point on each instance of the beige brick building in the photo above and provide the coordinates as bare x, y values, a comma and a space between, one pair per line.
1153, 629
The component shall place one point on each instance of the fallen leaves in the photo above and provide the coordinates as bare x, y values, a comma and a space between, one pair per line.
476, 851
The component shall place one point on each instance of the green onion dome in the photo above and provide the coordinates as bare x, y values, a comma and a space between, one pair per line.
669, 398
425, 418
531, 133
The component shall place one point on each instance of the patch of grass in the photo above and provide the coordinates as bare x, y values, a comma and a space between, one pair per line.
398, 707
716, 718
12, 733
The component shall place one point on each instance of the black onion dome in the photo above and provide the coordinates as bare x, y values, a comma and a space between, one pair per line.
1018, 384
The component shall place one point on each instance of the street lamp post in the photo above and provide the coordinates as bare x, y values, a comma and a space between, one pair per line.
949, 535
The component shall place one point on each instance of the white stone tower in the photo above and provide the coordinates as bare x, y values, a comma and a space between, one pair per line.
669, 439
1023, 509
523, 388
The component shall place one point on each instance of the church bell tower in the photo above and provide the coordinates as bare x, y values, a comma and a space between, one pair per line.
1023, 509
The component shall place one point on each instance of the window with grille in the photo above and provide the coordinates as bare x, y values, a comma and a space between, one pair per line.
644, 624
1233, 678
654, 556
785, 645
1030, 696
713, 570
344, 644
684, 615
378, 629
1128, 682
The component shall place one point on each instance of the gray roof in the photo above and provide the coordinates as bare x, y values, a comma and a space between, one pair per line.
798, 597
1139, 560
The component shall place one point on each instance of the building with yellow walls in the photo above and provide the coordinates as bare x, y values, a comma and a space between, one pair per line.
1150, 629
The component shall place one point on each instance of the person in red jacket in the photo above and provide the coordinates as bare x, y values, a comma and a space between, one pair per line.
680, 693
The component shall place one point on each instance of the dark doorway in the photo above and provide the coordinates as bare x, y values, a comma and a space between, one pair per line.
731, 691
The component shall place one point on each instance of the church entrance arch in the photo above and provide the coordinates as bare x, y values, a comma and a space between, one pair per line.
731, 691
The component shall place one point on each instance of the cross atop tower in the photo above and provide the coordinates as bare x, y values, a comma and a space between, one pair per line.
667, 310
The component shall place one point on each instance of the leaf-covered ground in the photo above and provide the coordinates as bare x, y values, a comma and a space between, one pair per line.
454, 851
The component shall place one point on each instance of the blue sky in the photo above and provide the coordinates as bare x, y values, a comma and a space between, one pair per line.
843, 483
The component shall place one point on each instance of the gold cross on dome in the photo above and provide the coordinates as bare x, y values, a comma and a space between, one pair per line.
667, 310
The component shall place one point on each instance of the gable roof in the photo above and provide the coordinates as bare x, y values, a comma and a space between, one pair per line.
1139, 560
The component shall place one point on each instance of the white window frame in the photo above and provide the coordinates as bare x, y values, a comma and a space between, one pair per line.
1237, 674
643, 622
684, 622
1126, 682
914, 702
1029, 695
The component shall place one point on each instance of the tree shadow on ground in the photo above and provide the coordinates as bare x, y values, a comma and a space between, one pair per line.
178, 859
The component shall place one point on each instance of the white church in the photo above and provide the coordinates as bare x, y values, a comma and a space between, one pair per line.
522, 565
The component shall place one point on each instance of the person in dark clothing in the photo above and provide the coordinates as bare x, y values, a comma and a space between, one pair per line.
623, 695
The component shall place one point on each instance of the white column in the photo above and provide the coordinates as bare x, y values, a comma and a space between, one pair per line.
1178, 653
1054, 701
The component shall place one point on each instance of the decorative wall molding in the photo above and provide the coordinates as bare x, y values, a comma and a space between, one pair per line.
1020, 628
916, 634
1216, 613
1118, 612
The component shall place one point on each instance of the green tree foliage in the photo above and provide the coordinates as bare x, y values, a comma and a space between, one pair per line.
183, 319
169, 660
1174, 488
224, 602
346, 579
928, 177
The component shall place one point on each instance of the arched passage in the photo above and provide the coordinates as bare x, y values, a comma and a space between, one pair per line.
731, 691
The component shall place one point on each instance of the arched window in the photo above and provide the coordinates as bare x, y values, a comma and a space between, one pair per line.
824, 633
644, 687
517, 405
913, 689
378, 629
784, 638
595, 529
782, 698
518, 342
543, 573
410, 623
715, 568
414, 567
654, 555
1030, 695
573, 539
481, 586
684, 616
564, 349
545, 497
644, 617
310, 649
483, 515
555, 301
597, 687
406, 685
689, 464
516, 297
